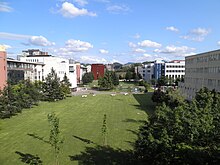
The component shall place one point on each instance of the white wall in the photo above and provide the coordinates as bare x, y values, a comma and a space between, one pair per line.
60, 65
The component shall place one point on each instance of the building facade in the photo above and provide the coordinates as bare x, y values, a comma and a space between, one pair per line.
175, 70
155, 70
98, 70
18, 70
62, 66
202, 70
3, 67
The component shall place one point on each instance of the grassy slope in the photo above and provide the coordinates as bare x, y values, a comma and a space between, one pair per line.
79, 117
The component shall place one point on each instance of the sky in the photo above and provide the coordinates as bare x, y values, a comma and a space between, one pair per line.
107, 31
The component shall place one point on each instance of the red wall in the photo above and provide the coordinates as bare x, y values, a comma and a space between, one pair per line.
78, 73
3, 69
98, 70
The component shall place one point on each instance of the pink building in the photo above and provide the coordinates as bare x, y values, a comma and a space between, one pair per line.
3, 67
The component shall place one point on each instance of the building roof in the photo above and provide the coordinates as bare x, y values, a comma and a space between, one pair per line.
16, 61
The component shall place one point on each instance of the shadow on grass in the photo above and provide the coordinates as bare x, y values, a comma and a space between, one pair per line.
35, 136
145, 102
84, 140
103, 156
133, 121
29, 159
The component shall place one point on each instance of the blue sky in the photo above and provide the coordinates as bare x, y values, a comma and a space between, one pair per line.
106, 31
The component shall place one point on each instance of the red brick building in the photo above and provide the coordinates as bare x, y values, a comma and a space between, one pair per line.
3, 67
98, 70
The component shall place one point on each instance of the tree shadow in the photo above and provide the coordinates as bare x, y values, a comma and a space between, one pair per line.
145, 102
134, 121
29, 158
84, 140
101, 155
35, 136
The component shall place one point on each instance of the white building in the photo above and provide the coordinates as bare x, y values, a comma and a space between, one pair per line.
154, 70
146, 71
175, 69
60, 65
202, 70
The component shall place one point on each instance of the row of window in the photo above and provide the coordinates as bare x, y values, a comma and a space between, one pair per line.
212, 57
204, 70
175, 71
32, 60
175, 66
202, 81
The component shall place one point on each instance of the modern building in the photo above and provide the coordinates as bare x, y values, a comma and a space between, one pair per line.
146, 71
18, 70
60, 65
155, 70
98, 70
175, 69
3, 67
159, 69
202, 70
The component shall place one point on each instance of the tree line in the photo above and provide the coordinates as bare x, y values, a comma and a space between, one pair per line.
180, 131
26, 94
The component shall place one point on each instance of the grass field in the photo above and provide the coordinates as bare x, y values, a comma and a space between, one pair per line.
24, 137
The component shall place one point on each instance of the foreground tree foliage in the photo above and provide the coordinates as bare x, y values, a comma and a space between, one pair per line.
26, 94
14, 98
182, 132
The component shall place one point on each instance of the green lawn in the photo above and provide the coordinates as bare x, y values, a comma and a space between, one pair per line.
24, 136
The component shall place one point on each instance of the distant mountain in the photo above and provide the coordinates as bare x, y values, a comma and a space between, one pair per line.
129, 63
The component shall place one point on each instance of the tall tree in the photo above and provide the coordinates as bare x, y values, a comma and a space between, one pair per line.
128, 75
52, 87
65, 85
106, 82
115, 79
55, 138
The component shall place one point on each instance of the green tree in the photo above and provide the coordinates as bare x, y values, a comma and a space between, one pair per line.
55, 137
104, 130
87, 78
115, 79
182, 132
106, 82
162, 81
128, 75
65, 85
52, 87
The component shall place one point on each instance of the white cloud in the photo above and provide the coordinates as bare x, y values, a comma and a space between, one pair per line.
103, 51
29, 40
76, 46
132, 45
219, 43
179, 51
81, 2
92, 59
145, 57
171, 28
148, 43
197, 34
12, 36
69, 10
40, 41
4, 7
139, 50
116, 9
